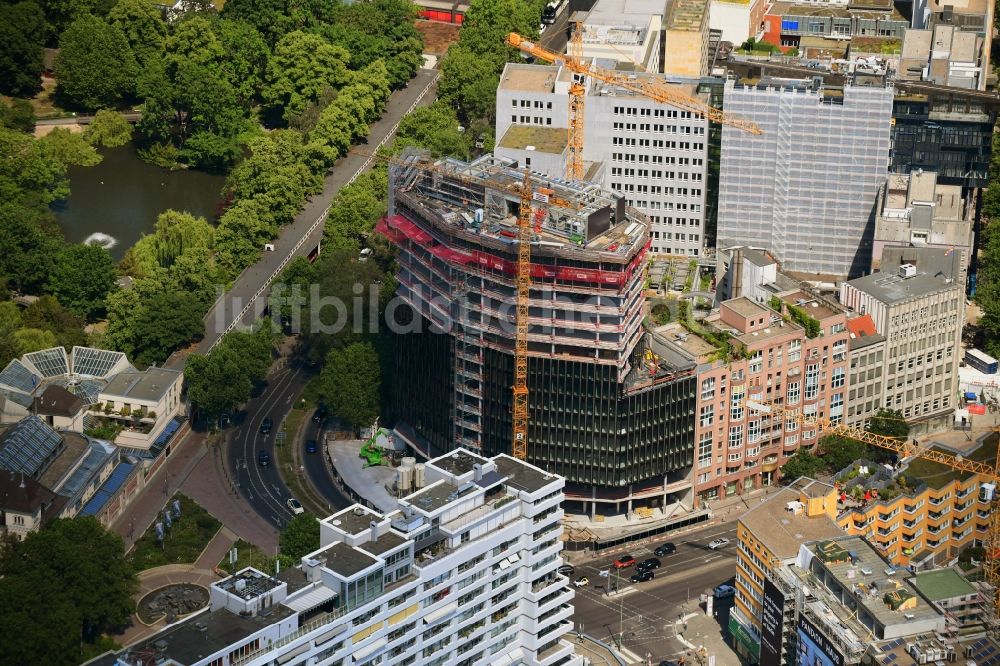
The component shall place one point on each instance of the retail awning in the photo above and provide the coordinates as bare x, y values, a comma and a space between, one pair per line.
510, 658
320, 595
288, 656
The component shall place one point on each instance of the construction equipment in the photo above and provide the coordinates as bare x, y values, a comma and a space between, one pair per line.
649, 87
527, 194
520, 416
908, 449
652, 360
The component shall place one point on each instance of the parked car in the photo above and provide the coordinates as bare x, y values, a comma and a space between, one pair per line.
718, 543
266, 425
566, 569
665, 549
724, 591
582, 581
648, 564
319, 415
311, 446
294, 506
624, 561
263, 458
641, 576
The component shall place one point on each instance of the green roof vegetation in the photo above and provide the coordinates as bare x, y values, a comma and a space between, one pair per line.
937, 475
942, 584
896, 599
831, 551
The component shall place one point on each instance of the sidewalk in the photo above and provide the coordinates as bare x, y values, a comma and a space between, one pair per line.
596, 652
202, 572
703, 636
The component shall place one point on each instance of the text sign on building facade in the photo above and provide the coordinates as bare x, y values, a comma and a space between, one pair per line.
814, 648
771, 613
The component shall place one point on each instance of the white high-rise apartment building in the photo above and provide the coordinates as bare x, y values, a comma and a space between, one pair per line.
806, 188
653, 154
462, 573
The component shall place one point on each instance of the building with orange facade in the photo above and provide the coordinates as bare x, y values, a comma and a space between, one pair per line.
921, 515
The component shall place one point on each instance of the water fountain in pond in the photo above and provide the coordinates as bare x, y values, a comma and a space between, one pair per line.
101, 239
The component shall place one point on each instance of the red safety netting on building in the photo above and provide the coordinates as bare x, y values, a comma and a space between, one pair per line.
397, 227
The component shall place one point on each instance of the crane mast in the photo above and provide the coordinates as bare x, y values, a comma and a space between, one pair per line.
520, 412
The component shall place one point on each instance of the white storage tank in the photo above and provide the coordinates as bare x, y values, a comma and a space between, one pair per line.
404, 479
418, 476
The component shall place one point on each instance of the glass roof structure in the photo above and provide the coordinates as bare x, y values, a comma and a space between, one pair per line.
29, 447
97, 362
16, 376
49, 362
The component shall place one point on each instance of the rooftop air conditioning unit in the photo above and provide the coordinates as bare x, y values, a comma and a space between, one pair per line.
907, 270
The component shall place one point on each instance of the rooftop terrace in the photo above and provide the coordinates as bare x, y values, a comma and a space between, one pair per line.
687, 15
782, 531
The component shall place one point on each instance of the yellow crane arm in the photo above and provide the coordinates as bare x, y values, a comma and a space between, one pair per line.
905, 449
647, 87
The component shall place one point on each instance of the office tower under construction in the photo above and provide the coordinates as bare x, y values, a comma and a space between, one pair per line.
609, 408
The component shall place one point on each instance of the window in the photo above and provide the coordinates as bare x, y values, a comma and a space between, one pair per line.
837, 378
794, 350
793, 393
736, 437
756, 360
705, 450
812, 381
708, 388
707, 413
753, 431
736, 403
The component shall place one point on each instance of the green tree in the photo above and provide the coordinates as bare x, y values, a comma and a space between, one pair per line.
18, 115
468, 82
95, 66
70, 148
803, 463
435, 128
216, 383
143, 26
77, 561
173, 234
165, 323
48, 314
300, 536
350, 383
246, 59
10, 321
61, 13
354, 212
28, 340
109, 129
889, 423
22, 35
82, 277
241, 236
30, 242
988, 284
29, 173
839, 452
303, 65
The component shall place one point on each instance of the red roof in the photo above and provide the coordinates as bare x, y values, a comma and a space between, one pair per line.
861, 326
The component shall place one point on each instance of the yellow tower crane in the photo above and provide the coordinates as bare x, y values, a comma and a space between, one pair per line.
649, 87
908, 449
520, 416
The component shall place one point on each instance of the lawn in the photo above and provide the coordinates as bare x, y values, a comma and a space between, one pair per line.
248, 555
184, 541
936, 475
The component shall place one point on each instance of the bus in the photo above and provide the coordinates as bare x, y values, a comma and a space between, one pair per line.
980, 361
551, 10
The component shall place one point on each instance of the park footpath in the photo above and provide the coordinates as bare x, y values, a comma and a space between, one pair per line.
203, 572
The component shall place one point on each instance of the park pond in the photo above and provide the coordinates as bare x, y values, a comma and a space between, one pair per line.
117, 201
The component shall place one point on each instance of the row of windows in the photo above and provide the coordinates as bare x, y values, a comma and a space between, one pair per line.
647, 127
655, 113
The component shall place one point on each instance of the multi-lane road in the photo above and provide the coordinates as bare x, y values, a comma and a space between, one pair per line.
261, 486
645, 613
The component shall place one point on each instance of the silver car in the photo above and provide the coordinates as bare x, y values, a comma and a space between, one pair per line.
718, 543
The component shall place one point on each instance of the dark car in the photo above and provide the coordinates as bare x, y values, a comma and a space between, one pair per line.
624, 561
665, 549
311, 446
641, 576
566, 569
266, 425
263, 458
648, 564
319, 415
